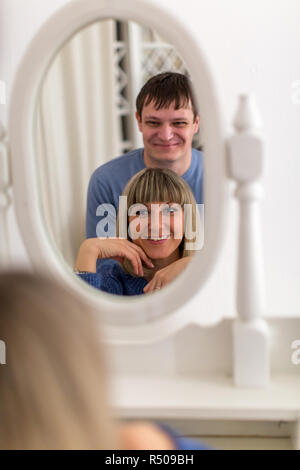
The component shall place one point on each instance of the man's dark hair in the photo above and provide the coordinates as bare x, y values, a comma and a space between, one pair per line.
164, 89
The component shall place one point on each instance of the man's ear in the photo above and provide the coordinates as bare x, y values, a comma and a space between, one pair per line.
196, 123
139, 121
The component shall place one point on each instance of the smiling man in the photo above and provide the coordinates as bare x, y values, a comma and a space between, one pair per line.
168, 119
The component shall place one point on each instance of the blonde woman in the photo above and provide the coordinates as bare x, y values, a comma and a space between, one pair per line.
161, 232
53, 387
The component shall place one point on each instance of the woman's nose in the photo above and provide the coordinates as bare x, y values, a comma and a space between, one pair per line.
158, 225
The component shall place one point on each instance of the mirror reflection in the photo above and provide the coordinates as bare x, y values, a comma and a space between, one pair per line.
120, 163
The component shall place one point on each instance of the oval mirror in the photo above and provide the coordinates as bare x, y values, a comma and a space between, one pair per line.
50, 242
85, 117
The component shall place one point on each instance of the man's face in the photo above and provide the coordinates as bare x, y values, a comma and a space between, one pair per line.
167, 133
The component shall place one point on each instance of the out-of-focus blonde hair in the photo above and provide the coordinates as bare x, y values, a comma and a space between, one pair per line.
161, 185
53, 389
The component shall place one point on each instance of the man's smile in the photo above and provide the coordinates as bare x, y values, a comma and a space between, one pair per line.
166, 146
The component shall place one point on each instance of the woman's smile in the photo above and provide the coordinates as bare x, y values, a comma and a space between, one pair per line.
159, 241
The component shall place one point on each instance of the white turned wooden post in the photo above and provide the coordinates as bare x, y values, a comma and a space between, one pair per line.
5, 200
250, 331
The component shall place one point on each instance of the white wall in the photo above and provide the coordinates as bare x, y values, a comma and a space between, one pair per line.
253, 46
19, 20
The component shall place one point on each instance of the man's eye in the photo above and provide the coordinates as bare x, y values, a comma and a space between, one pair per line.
153, 123
180, 123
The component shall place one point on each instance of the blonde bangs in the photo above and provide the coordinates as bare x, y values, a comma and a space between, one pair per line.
157, 186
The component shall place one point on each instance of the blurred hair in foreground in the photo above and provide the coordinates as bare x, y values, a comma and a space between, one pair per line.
53, 387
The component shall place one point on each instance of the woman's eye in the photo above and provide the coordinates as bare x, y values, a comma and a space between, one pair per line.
170, 210
142, 213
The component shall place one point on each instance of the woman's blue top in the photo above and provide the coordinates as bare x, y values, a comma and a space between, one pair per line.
110, 277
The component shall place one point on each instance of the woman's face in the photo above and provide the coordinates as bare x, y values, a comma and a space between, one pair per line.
157, 227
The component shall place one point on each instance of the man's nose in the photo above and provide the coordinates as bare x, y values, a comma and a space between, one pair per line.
166, 132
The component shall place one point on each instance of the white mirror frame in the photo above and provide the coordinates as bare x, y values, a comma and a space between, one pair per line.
156, 310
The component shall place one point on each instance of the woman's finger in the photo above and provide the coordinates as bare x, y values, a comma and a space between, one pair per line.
135, 260
153, 286
142, 254
157, 286
147, 288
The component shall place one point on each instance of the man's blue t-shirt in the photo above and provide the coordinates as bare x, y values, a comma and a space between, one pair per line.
109, 180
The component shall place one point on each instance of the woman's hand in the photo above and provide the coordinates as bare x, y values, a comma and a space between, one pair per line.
165, 275
116, 248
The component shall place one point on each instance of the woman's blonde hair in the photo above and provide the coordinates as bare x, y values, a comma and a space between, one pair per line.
53, 390
162, 185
